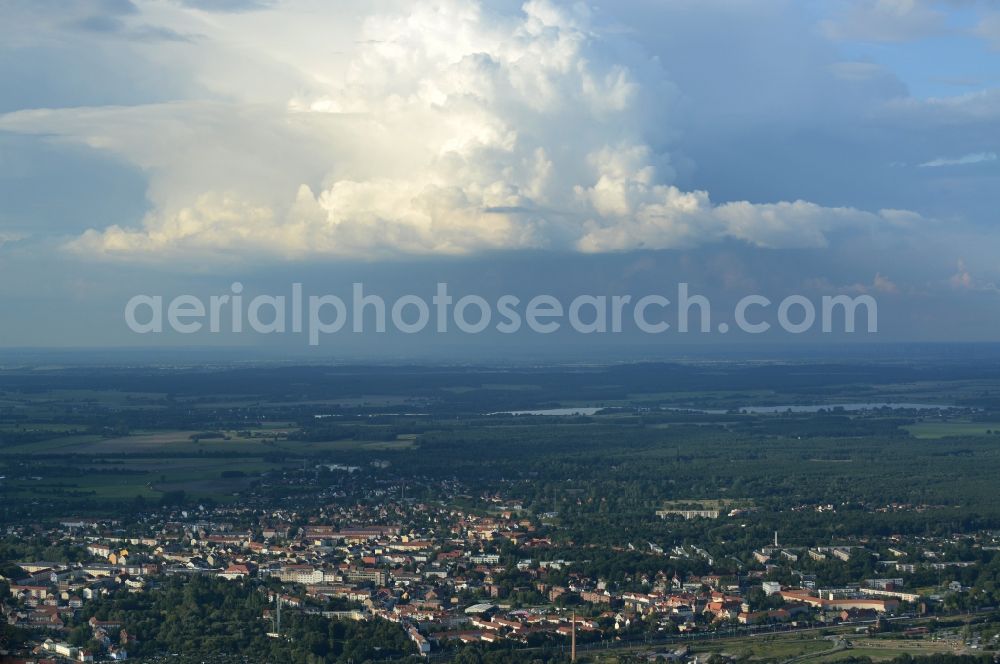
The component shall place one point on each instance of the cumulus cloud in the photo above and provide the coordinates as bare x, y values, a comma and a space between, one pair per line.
668, 218
963, 280
883, 284
449, 128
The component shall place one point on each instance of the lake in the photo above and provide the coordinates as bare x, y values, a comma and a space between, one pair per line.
584, 410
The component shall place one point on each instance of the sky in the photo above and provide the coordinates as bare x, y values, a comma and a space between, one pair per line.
774, 147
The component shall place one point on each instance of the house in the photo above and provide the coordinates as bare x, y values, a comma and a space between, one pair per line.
64, 650
96, 624
804, 596
37, 592
237, 571
423, 645
757, 617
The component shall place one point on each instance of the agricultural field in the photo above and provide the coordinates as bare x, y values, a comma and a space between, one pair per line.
105, 437
950, 428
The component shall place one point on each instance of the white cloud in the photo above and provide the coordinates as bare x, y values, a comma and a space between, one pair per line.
448, 128
667, 218
961, 280
883, 284
964, 160
964, 281
880, 284
989, 29
10, 237
885, 21
942, 112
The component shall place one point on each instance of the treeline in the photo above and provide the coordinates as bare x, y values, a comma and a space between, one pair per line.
203, 616
937, 658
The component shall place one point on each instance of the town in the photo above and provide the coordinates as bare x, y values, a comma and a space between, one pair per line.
309, 531
449, 576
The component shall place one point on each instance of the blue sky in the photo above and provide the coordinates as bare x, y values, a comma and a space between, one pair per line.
772, 146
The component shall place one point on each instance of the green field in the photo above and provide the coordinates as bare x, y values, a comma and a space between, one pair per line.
931, 430
886, 649
152, 463
805, 647
149, 478
181, 442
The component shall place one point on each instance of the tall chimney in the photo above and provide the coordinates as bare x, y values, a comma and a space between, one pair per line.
572, 642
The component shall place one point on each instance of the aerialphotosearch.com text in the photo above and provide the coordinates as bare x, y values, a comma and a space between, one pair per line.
318, 316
